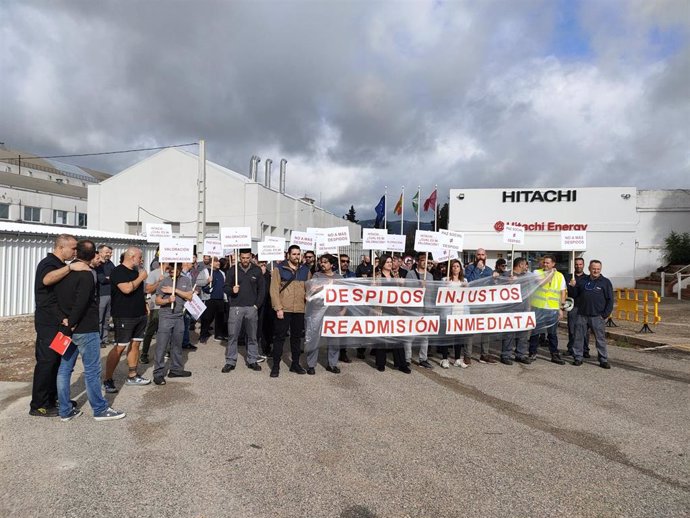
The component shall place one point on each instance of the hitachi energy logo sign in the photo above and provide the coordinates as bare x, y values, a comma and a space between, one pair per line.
550, 196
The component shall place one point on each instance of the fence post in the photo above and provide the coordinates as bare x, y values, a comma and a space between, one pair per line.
663, 283
678, 278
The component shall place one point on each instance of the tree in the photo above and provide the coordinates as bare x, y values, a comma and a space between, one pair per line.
443, 217
351, 215
678, 248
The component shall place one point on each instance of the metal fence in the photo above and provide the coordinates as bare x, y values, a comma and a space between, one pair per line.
21, 253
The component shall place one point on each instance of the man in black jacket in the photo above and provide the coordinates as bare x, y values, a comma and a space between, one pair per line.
104, 269
77, 301
245, 296
594, 306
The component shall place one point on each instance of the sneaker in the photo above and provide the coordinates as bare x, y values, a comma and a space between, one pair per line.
109, 387
159, 380
144, 358
523, 359
460, 363
556, 358
179, 374
261, 358
577, 363
227, 368
72, 414
217, 339
533, 356
334, 370
488, 359
44, 412
425, 364
137, 380
467, 360
109, 415
604, 365
254, 366
445, 364
506, 361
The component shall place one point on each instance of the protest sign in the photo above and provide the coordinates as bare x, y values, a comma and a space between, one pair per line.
490, 323
374, 239
573, 240
173, 250
236, 237
271, 251
157, 231
213, 247
370, 326
478, 295
395, 243
427, 241
391, 296
195, 307
454, 240
304, 240
514, 235
337, 236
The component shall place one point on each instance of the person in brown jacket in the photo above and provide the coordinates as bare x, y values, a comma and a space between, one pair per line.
288, 301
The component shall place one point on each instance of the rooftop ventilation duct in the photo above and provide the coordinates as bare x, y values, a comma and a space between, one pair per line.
253, 167
281, 185
267, 172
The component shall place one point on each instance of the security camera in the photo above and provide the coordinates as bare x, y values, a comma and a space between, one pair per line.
461, 196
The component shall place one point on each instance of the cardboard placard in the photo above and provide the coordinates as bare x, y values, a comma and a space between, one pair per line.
396, 243
574, 240
514, 235
427, 241
236, 237
338, 236
195, 307
173, 250
157, 231
454, 240
323, 246
271, 251
304, 240
213, 247
374, 239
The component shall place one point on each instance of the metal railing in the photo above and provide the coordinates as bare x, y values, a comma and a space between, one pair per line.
679, 279
32, 165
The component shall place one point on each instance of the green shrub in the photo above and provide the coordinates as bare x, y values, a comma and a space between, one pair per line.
678, 248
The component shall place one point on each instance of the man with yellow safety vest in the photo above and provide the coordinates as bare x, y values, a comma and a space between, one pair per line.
547, 302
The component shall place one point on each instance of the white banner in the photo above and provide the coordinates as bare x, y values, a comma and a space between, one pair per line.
478, 295
304, 240
173, 250
490, 323
454, 240
213, 247
395, 243
426, 241
379, 326
374, 239
236, 237
573, 240
195, 307
338, 236
514, 235
157, 231
270, 251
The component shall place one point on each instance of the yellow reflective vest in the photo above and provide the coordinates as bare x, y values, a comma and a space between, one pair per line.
548, 295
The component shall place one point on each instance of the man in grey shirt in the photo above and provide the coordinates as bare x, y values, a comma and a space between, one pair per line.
171, 323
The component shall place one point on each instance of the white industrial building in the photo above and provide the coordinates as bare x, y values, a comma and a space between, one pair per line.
163, 188
43, 191
626, 227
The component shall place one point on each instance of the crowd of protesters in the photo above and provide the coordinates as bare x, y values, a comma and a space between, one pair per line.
259, 305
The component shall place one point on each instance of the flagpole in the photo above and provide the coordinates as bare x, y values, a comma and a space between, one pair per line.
402, 211
436, 209
385, 208
419, 202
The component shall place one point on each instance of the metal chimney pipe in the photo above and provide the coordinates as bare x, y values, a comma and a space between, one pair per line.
267, 172
254, 168
251, 167
281, 185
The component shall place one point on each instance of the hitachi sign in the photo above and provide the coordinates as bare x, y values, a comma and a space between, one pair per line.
542, 196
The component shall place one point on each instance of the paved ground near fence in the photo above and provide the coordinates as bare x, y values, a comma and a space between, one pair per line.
538, 440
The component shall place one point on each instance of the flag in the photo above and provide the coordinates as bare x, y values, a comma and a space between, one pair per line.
415, 203
380, 211
430, 202
398, 206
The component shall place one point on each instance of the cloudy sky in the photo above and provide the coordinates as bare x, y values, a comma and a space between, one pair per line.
357, 95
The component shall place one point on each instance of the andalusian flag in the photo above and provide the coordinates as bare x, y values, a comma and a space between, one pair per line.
398, 206
415, 203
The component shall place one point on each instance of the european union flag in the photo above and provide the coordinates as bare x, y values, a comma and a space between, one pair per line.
380, 211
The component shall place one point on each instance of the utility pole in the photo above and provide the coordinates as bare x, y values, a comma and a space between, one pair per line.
201, 198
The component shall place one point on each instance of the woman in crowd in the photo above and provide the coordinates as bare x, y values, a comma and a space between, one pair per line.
456, 277
387, 277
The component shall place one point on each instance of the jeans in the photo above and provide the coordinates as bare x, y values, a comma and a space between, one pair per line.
89, 346
515, 342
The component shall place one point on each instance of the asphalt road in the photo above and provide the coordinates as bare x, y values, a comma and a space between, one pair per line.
538, 440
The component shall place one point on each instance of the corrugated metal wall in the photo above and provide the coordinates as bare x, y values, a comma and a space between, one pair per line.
19, 256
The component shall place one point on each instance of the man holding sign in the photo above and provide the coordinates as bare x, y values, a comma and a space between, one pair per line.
245, 293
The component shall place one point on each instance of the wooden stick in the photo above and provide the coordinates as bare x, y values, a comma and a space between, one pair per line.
426, 264
373, 269
572, 263
210, 283
172, 304
340, 267
237, 260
